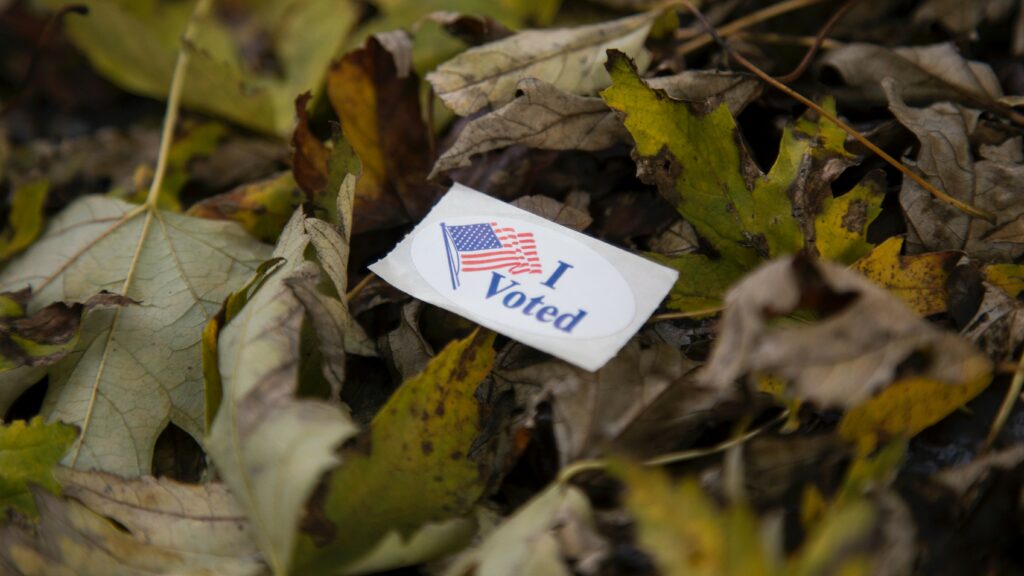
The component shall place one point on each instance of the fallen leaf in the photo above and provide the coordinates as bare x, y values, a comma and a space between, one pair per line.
570, 59
264, 431
200, 518
72, 540
414, 465
926, 73
541, 116
857, 349
528, 541
919, 280
25, 218
135, 367
380, 113
135, 45
695, 156
555, 211
988, 183
686, 532
49, 334
963, 18
591, 409
997, 327
29, 452
262, 208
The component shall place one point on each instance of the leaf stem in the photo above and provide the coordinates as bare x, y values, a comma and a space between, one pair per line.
174, 102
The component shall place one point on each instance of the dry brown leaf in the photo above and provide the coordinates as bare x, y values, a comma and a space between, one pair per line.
858, 346
927, 73
591, 409
545, 117
556, 211
991, 182
571, 59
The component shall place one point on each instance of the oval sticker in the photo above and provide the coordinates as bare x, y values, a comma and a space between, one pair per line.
524, 276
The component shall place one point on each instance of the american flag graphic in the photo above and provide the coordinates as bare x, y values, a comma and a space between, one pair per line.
489, 246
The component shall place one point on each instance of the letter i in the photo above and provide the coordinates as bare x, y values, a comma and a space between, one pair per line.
562, 267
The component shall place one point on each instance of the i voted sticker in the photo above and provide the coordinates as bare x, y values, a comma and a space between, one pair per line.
524, 276
528, 278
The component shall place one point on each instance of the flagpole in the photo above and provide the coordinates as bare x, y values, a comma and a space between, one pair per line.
451, 263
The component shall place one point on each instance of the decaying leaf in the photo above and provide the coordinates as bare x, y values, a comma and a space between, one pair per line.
271, 446
592, 409
72, 540
864, 343
379, 107
989, 183
29, 453
569, 59
25, 220
416, 464
135, 367
532, 540
135, 45
919, 280
46, 336
926, 73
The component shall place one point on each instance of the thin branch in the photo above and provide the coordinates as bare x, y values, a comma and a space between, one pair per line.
174, 101
818, 40
745, 22
580, 466
1009, 401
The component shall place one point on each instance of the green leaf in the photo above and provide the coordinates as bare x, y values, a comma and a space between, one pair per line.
412, 467
271, 446
28, 454
694, 153
25, 219
135, 44
135, 368
702, 281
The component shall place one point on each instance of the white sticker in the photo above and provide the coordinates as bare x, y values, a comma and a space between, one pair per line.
528, 278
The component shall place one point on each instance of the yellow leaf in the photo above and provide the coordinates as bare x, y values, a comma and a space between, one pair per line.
910, 405
918, 279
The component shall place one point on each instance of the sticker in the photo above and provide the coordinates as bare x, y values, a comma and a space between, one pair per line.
538, 282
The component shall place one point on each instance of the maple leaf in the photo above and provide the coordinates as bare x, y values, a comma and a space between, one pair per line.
137, 367
694, 154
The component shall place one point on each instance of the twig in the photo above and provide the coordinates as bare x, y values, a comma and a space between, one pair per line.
818, 39
746, 22
1008, 403
672, 457
680, 315
359, 287
764, 76
174, 102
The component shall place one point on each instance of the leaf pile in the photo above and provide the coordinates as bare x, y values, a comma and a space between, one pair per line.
199, 376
